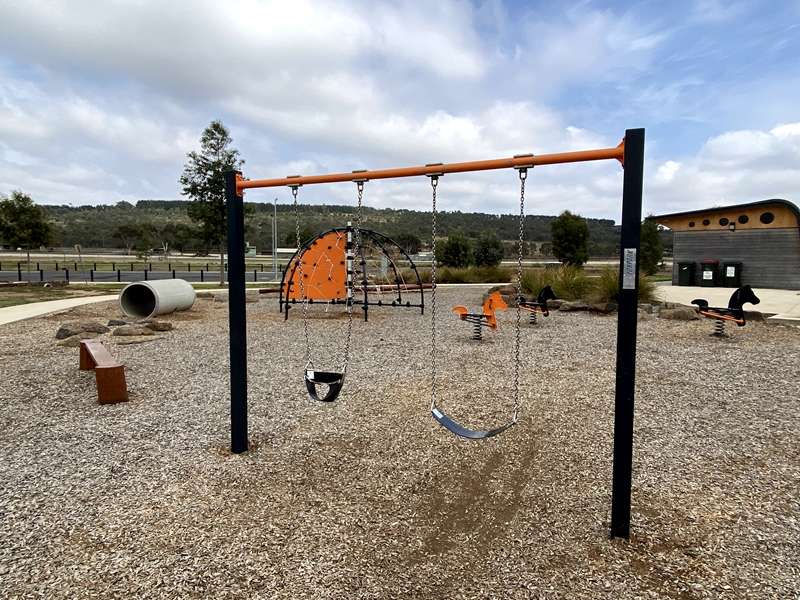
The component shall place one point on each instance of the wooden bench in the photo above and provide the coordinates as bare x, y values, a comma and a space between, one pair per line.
109, 374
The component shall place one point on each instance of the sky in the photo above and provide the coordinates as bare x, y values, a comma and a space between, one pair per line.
101, 101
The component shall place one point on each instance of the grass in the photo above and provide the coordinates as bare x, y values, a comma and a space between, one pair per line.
26, 294
461, 275
572, 283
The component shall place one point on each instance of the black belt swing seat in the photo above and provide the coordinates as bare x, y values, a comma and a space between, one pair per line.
443, 419
334, 380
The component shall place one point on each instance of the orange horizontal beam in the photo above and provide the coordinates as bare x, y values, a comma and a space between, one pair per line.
461, 167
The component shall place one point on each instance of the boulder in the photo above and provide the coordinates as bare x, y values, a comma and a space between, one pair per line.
159, 325
603, 307
75, 340
648, 308
138, 339
116, 322
205, 294
70, 329
555, 304
128, 330
94, 327
681, 313
574, 305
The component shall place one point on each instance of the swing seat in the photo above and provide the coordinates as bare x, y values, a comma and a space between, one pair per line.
465, 432
332, 379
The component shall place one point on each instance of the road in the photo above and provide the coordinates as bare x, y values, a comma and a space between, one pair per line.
127, 276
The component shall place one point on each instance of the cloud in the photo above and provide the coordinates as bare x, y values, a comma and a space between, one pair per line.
733, 167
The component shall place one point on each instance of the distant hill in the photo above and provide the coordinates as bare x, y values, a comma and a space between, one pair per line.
94, 226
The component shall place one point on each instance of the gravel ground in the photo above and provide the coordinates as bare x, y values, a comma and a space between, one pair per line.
369, 497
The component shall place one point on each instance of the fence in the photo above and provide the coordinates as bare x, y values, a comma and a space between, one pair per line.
124, 272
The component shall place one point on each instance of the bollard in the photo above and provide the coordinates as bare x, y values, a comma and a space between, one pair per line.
189, 267
255, 275
119, 275
41, 275
91, 275
145, 274
19, 272
151, 266
66, 275
76, 266
173, 273
201, 275
113, 266
94, 266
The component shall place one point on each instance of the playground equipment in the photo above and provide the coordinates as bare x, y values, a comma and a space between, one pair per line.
630, 153
145, 299
487, 318
540, 306
325, 259
734, 313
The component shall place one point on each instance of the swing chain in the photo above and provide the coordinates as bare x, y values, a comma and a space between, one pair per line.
301, 275
434, 184
523, 175
356, 255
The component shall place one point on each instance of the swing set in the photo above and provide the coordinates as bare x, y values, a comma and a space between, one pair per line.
630, 153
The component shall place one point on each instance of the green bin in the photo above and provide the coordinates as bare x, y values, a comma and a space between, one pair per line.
732, 274
709, 273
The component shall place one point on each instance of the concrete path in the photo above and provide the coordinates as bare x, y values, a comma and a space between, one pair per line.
784, 304
10, 314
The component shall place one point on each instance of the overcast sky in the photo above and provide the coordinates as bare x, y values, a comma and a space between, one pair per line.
100, 101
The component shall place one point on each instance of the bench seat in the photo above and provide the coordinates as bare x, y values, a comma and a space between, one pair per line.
109, 373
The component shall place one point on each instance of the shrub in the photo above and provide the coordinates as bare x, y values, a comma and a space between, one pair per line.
488, 251
455, 252
652, 249
568, 282
570, 235
606, 287
455, 275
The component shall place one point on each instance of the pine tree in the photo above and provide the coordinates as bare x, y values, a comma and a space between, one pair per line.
203, 181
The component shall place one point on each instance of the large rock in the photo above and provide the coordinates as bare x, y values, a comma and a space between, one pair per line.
603, 307
75, 340
94, 327
71, 329
681, 313
574, 305
128, 330
648, 308
205, 294
116, 322
159, 325
555, 303
138, 339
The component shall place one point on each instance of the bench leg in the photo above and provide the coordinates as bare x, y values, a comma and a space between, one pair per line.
86, 363
111, 386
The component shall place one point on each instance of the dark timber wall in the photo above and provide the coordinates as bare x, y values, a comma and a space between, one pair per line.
770, 257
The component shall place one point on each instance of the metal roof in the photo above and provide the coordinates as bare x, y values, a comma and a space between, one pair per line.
730, 207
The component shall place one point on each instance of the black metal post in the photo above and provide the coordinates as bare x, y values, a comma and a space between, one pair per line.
255, 275
189, 267
173, 273
237, 319
113, 266
151, 266
95, 266
66, 275
19, 272
119, 275
131, 267
145, 274
626, 333
41, 275
91, 275
202, 277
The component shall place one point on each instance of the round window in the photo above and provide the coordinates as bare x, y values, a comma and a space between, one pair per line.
691, 223
743, 219
706, 222
723, 221
767, 218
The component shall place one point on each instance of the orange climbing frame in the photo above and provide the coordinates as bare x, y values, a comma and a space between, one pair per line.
522, 160
324, 270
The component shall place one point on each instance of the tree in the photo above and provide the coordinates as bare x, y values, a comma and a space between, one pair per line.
488, 251
306, 233
408, 242
455, 252
203, 180
127, 233
570, 235
651, 250
23, 224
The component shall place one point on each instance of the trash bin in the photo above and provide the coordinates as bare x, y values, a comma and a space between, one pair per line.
685, 273
732, 274
710, 271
